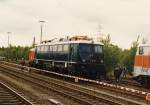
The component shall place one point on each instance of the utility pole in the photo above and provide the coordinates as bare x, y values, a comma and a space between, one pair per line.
33, 44
8, 45
41, 21
8, 38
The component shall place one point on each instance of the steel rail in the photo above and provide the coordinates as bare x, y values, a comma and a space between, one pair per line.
9, 96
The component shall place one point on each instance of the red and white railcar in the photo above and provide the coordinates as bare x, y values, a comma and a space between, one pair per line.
142, 64
31, 56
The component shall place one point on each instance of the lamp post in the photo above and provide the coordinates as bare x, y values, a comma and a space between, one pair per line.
41, 21
8, 45
8, 38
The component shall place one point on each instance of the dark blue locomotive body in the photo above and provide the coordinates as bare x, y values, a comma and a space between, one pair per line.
80, 58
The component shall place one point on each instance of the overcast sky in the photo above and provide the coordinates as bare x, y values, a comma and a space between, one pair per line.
124, 20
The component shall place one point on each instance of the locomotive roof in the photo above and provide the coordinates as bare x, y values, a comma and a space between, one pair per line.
69, 42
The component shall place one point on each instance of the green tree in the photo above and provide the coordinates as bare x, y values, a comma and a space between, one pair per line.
112, 54
129, 55
15, 52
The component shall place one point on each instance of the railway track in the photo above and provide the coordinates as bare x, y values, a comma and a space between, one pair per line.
81, 94
130, 82
126, 82
75, 93
10, 97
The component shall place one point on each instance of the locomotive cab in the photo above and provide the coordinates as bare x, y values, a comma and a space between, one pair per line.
91, 60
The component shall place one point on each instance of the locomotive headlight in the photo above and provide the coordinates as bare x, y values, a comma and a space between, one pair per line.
102, 61
83, 60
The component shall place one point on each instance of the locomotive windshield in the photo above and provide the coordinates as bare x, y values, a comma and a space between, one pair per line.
85, 49
90, 52
90, 49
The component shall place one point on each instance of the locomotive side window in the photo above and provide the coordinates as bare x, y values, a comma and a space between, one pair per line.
50, 48
98, 49
140, 50
59, 48
42, 48
55, 48
65, 52
46, 48
66, 48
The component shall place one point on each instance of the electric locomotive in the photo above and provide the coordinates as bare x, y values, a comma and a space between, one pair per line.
142, 65
79, 56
